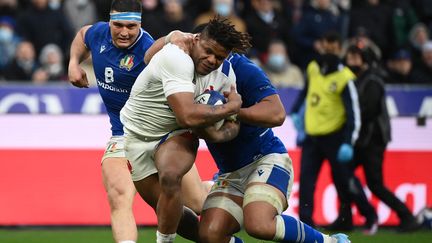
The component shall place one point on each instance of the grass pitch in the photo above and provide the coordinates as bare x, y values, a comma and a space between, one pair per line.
147, 235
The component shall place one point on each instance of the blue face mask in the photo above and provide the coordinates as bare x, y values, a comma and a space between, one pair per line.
266, 16
54, 4
6, 35
276, 62
223, 9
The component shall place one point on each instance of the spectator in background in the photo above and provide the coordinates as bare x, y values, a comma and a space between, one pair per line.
400, 68
403, 19
332, 123
265, 23
292, 10
52, 68
151, 14
8, 41
317, 19
24, 64
103, 9
172, 18
424, 10
225, 9
41, 26
8, 8
278, 67
375, 18
418, 36
362, 40
197, 7
375, 133
85, 9
425, 67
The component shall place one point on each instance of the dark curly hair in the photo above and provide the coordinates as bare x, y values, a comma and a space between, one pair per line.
223, 32
126, 6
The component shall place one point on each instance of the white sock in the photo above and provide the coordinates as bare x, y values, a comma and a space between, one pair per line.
165, 238
328, 239
127, 241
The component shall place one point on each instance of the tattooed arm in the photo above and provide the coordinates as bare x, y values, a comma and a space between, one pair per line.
227, 132
189, 114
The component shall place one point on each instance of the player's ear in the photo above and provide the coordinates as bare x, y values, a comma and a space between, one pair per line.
197, 37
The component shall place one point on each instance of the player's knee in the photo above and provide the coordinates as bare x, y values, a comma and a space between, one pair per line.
120, 201
259, 225
212, 232
261, 229
120, 196
170, 181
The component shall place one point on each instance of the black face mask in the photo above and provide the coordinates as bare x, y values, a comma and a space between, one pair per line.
329, 63
355, 69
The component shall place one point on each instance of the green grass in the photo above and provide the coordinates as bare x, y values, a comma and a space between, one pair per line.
147, 235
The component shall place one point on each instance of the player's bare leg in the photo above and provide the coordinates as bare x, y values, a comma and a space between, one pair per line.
217, 225
194, 191
173, 159
149, 190
121, 191
263, 218
260, 216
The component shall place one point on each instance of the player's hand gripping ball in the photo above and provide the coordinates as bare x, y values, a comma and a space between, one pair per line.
211, 97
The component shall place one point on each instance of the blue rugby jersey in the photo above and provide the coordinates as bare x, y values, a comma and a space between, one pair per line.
115, 69
252, 142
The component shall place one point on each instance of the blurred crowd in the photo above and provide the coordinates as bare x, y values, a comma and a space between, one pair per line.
35, 35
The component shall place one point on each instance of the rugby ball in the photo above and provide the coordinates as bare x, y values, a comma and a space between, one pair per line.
211, 97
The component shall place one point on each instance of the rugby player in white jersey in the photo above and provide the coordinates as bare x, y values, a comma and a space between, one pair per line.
161, 105
117, 49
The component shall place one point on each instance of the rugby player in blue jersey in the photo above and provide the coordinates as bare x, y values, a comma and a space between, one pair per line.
161, 110
256, 173
117, 49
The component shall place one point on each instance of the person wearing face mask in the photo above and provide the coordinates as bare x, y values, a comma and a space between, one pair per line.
332, 124
51, 60
86, 9
24, 65
225, 9
281, 72
265, 23
8, 41
375, 133
42, 25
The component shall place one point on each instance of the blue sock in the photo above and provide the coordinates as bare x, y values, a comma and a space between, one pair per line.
289, 229
235, 239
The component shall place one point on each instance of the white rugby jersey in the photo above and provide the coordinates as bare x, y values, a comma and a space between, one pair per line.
170, 71
219, 80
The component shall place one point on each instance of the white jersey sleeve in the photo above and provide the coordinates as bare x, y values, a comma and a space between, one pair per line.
219, 80
147, 112
176, 70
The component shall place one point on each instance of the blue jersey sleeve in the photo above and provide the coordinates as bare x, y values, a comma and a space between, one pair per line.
94, 32
252, 141
252, 82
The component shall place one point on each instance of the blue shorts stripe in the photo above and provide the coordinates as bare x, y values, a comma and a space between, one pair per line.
279, 178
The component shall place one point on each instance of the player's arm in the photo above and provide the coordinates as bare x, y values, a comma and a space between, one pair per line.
189, 114
175, 37
269, 112
78, 53
227, 132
